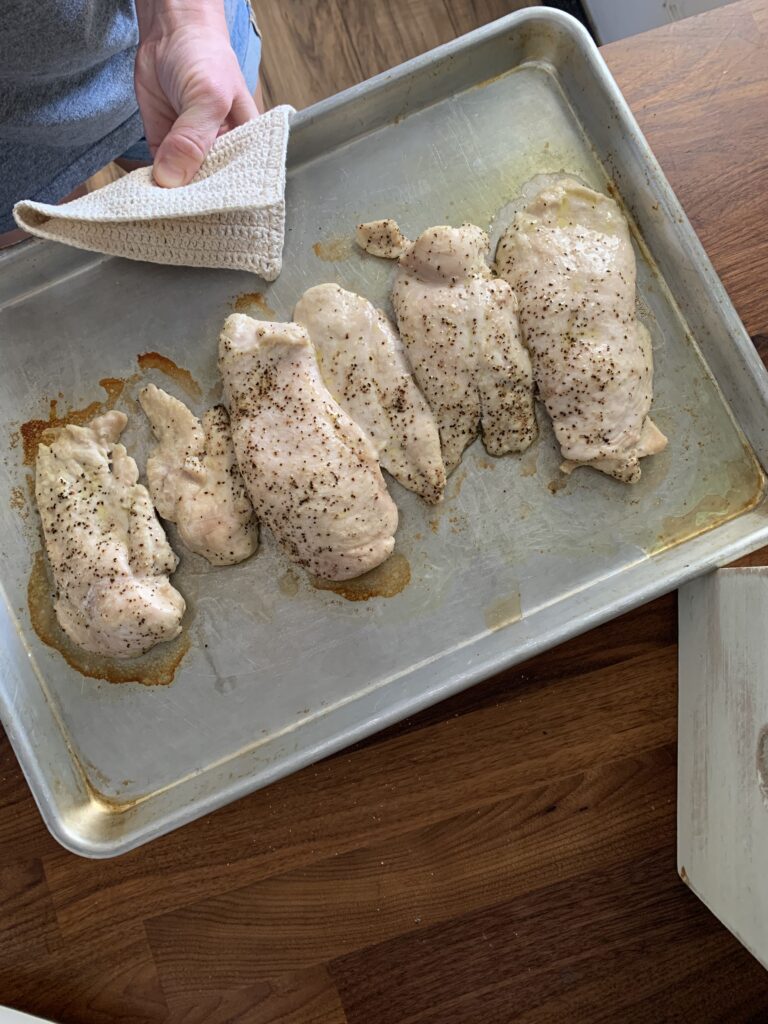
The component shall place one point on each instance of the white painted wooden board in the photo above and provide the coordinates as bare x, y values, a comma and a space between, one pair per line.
616, 19
8, 1016
722, 816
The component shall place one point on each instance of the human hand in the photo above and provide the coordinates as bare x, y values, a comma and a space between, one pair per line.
188, 83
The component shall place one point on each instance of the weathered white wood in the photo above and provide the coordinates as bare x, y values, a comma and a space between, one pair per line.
8, 1016
616, 19
722, 844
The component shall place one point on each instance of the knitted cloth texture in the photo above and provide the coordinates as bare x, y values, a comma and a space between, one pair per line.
230, 216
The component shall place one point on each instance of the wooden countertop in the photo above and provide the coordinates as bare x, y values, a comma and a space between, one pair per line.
506, 856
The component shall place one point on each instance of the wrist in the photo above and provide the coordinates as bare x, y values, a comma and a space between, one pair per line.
158, 18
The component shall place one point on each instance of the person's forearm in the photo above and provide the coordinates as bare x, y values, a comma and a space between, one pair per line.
161, 17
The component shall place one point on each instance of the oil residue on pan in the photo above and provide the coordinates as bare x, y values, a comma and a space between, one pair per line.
739, 491
185, 380
156, 668
557, 484
19, 501
250, 301
385, 580
35, 431
109, 804
503, 612
288, 584
333, 250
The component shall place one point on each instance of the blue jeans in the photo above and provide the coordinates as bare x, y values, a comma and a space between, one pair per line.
246, 43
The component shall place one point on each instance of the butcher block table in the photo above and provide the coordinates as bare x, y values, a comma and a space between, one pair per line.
506, 856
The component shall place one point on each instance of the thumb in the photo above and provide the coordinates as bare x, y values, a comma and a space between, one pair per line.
186, 145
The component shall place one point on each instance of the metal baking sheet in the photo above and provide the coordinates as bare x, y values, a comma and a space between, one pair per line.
278, 674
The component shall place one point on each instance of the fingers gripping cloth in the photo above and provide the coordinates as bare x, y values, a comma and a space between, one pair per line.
230, 216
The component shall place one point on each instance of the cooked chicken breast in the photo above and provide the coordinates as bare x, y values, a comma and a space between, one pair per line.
363, 364
107, 550
382, 238
311, 472
460, 330
569, 257
194, 479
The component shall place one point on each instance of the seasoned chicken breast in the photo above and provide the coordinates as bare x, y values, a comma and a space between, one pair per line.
364, 365
107, 550
194, 479
311, 471
460, 330
568, 255
382, 238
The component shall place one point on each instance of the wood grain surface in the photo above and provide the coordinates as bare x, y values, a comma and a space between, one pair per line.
506, 856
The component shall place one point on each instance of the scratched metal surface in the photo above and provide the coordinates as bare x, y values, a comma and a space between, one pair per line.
278, 673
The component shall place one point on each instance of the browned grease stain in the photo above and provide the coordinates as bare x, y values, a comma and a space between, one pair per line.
185, 380
740, 490
109, 804
557, 484
489, 81
457, 522
156, 668
683, 874
35, 431
434, 525
19, 501
288, 584
333, 250
503, 612
484, 463
385, 580
249, 301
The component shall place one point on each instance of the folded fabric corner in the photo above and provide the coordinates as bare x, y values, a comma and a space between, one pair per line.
230, 216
